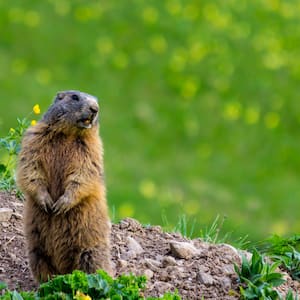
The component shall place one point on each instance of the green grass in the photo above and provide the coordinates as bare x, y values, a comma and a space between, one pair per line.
199, 110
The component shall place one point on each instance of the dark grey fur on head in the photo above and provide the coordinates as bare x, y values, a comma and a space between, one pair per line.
74, 109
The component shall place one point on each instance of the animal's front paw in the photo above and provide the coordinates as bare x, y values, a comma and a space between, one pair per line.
44, 200
62, 205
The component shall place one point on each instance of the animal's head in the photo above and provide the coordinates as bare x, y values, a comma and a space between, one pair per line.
74, 109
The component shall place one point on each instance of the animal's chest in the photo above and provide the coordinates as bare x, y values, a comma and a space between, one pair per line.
62, 159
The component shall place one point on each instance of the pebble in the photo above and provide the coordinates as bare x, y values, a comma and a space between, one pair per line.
226, 282
152, 264
169, 261
134, 246
148, 273
183, 250
5, 214
122, 263
205, 278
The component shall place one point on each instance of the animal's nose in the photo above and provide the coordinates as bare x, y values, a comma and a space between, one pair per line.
94, 109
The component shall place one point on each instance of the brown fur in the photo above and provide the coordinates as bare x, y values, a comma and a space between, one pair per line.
60, 171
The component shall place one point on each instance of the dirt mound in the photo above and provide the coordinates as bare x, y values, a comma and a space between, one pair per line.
169, 261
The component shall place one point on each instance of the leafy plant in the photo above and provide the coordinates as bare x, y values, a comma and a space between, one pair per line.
81, 286
285, 251
259, 278
11, 145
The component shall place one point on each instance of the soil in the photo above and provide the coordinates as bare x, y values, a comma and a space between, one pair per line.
170, 262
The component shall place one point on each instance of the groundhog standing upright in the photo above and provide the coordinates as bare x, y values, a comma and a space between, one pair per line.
60, 171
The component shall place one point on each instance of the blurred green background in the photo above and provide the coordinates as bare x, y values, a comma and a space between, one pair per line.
200, 111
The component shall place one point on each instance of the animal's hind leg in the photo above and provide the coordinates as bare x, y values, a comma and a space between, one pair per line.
40, 265
96, 258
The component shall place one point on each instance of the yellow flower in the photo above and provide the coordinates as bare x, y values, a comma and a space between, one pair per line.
36, 109
272, 120
232, 111
32, 18
12, 130
150, 15
81, 296
33, 122
148, 189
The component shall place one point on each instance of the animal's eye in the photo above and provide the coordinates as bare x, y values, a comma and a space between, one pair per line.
75, 97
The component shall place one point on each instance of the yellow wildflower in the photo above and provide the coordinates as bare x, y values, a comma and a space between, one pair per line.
148, 189
36, 109
12, 130
272, 120
33, 122
32, 18
81, 296
126, 210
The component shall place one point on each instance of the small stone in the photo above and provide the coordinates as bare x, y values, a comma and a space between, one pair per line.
156, 228
152, 264
169, 261
17, 216
183, 250
5, 214
226, 282
134, 246
148, 273
205, 278
131, 224
5, 224
246, 254
122, 263
13, 256
233, 249
162, 287
228, 269
129, 255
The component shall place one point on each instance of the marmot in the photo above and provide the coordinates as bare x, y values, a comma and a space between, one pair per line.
60, 172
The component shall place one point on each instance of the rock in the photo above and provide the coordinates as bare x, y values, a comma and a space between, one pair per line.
5, 224
156, 228
130, 224
122, 263
17, 216
5, 214
226, 283
169, 261
205, 278
129, 255
148, 273
13, 256
228, 269
134, 246
246, 254
162, 287
152, 264
183, 250
233, 249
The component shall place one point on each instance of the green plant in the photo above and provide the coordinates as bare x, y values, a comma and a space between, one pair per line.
259, 278
81, 286
290, 296
285, 250
11, 146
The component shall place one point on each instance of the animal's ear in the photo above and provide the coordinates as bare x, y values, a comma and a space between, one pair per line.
60, 96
